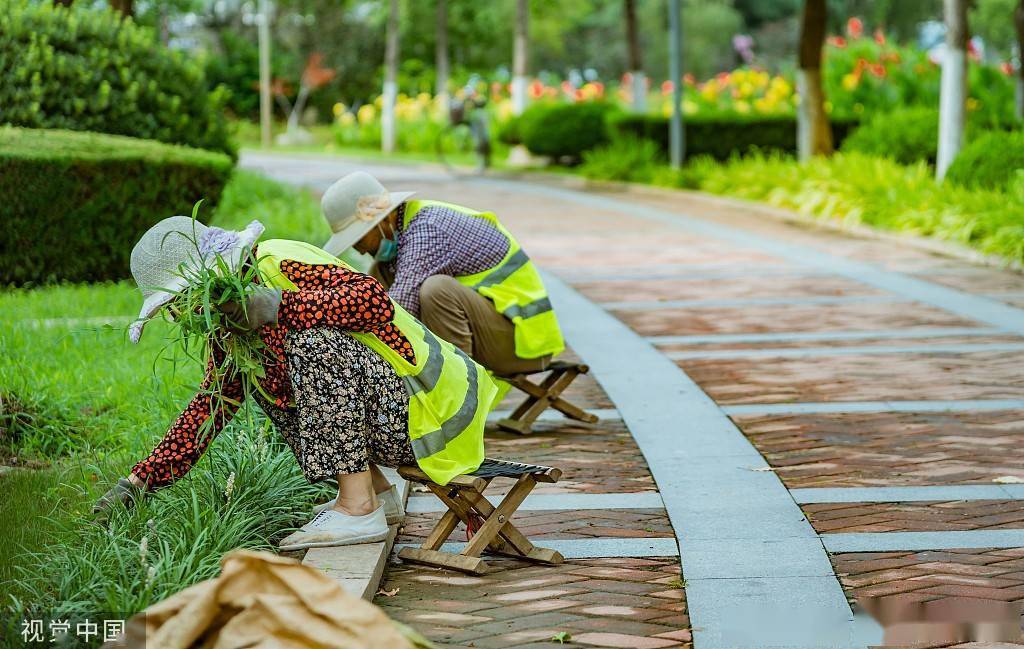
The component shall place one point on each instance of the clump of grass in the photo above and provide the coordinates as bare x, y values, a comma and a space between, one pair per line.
248, 496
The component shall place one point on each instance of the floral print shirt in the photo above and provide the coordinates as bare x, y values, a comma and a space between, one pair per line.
330, 296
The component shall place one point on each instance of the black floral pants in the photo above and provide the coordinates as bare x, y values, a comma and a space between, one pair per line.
351, 408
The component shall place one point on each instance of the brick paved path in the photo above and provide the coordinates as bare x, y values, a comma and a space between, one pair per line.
918, 369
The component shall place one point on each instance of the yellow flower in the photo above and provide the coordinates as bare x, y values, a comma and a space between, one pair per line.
762, 105
347, 119
746, 89
367, 113
689, 107
973, 104
742, 106
339, 109
709, 92
779, 86
828, 107
850, 81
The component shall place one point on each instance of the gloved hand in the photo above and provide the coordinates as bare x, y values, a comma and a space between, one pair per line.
261, 304
124, 493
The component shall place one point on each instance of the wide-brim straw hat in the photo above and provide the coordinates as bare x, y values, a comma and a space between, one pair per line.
169, 250
353, 206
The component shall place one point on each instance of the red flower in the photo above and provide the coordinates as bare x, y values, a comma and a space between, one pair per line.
837, 41
879, 37
878, 70
1006, 67
689, 79
855, 27
666, 87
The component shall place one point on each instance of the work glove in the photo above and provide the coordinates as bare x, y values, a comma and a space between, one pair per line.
123, 493
261, 305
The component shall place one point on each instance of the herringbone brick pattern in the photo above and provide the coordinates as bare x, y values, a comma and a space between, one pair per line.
721, 289
861, 342
952, 590
889, 449
562, 524
788, 317
916, 517
627, 603
940, 376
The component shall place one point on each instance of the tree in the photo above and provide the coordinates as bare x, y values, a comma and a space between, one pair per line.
814, 135
953, 91
126, 7
520, 56
1018, 21
387, 122
441, 59
634, 61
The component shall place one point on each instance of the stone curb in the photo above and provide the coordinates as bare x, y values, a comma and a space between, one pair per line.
359, 568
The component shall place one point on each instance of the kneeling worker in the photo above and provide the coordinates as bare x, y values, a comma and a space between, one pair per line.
458, 270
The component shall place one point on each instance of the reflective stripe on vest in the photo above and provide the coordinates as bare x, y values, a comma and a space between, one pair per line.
449, 394
515, 288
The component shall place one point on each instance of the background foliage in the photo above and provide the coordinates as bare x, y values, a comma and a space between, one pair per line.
84, 70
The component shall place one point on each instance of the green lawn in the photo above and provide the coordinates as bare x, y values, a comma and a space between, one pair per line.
81, 405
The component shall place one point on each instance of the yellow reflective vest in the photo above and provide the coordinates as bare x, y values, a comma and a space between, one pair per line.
514, 286
449, 394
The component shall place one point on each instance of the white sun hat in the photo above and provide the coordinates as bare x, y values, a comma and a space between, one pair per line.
355, 204
173, 244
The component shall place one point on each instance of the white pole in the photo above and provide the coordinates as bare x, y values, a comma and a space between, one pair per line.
520, 56
677, 144
953, 90
387, 119
263, 31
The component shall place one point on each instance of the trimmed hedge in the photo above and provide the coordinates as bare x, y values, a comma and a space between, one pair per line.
989, 161
85, 69
73, 204
561, 130
721, 136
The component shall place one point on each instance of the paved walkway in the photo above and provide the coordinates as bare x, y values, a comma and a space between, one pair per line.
818, 420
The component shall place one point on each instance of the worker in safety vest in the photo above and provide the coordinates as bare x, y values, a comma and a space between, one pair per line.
349, 378
457, 269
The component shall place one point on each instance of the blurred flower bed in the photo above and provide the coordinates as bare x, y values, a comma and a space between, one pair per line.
864, 74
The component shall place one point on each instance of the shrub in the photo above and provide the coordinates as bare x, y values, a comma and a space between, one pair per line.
74, 203
629, 159
989, 161
907, 136
564, 130
86, 70
720, 136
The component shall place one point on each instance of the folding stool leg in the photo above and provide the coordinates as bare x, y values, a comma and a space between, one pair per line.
519, 545
539, 397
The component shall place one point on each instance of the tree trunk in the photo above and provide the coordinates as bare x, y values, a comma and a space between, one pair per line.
814, 135
635, 63
126, 7
953, 94
1018, 21
442, 52
387, 122
520, 56
63, 3
266, 108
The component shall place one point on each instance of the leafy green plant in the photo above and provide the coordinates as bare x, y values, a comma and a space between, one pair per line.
564, 130
721, 136
907, 136
628, 159
80, 69
991, 160
75, 203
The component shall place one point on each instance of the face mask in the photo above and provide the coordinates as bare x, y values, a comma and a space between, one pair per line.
388, 248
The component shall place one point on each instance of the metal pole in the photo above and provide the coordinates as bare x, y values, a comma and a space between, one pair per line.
264, 44
677, 144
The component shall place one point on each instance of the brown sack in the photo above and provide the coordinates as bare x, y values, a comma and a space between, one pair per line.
264, 601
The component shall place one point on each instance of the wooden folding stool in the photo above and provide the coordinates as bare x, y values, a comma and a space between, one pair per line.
544, 395
491, 526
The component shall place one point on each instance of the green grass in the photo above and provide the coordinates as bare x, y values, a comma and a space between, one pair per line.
80, 399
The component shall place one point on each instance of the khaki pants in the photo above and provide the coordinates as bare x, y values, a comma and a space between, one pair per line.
469, 321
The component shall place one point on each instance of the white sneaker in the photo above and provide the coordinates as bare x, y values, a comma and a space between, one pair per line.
393, 507
330, 528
